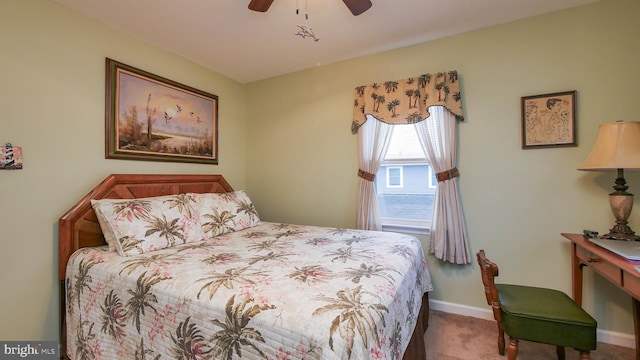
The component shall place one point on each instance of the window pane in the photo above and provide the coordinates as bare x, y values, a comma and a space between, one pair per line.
413, 200
394, 176
404, 143
404, 183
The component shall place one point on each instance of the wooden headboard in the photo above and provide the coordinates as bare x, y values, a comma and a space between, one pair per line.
79, 227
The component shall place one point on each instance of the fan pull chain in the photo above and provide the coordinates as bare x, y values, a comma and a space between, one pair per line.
306, 11
305, 30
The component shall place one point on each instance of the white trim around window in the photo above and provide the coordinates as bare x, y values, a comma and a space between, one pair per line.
413, 226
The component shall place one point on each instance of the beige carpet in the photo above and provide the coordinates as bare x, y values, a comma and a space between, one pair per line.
457, 337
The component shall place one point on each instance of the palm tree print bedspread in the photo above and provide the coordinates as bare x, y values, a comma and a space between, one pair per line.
272, 291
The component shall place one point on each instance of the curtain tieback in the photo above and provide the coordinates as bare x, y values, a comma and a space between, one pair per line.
447, 174
365, 175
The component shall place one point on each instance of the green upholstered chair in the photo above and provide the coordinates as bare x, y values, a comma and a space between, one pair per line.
536, 314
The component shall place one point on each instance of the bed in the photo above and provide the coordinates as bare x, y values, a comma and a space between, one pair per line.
260, 290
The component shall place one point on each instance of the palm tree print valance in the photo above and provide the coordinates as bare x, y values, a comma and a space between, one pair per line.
406, 101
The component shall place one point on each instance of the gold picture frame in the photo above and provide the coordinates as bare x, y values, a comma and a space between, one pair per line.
152, 118
549, 120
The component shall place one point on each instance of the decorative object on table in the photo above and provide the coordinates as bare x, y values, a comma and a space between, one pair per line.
10, 157
549, 120
617, 148
152, 118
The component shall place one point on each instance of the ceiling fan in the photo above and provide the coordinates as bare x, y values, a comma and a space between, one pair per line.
356, 7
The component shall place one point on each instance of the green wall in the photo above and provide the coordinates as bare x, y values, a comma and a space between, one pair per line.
52, 90
286, 140
302, 160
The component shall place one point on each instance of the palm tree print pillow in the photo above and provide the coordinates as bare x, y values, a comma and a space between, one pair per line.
225, 212
136, 226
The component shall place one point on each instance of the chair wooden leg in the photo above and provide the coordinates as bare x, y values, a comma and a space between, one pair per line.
584, 355
500, 341
560, 352
513, 349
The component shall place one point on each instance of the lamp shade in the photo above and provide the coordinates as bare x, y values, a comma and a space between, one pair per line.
617, 147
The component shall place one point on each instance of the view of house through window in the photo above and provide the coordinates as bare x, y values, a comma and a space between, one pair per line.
405, 183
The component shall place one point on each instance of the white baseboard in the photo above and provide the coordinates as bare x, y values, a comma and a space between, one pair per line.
605, 336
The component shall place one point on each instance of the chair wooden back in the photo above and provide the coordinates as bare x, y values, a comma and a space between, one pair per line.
489, 271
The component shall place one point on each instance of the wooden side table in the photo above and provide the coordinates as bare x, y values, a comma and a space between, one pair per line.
615, 268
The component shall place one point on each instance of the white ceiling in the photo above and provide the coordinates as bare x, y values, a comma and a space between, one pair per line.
227, 37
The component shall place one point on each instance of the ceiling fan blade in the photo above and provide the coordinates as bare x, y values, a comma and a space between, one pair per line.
357, 7
260, 5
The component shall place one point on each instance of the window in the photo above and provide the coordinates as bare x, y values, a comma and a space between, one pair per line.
394, 176
405, 184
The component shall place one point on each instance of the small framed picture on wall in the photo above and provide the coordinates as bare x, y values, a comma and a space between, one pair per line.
549, 120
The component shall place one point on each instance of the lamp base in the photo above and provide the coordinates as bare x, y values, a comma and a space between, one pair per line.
621, 204
620, 235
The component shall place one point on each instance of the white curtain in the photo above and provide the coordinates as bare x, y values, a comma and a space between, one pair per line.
448, 237
373, 141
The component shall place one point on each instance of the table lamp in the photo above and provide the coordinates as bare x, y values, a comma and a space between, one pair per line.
617, 148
